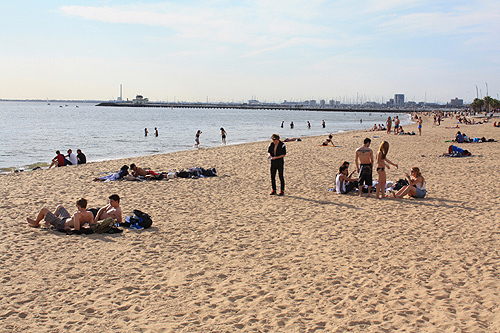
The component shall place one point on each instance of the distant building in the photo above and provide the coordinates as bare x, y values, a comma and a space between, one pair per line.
457, 103
253, 102
139, 99
399, 99
312, 103
322, 103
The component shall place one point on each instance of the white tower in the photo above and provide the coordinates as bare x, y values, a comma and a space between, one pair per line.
120, 98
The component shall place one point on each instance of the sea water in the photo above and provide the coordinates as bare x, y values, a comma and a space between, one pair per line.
32, 131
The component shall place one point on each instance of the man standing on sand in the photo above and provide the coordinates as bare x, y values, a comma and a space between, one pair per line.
419, 122
112, 209
364, 166
61, 219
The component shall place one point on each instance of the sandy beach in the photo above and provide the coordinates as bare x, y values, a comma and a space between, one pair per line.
224, 256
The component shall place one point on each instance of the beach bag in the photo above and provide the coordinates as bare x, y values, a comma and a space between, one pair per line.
143, 219
183, 174
104, 226
400, 183
209, 172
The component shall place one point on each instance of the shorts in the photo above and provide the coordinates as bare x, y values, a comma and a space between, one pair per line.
419, 126
58, 221
365, 175
396, 126
420, 193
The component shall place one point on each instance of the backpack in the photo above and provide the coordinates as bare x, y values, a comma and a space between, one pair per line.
104, 226
143, 219
400, 183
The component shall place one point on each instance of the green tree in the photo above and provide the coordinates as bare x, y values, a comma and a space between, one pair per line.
488, 101
477, 104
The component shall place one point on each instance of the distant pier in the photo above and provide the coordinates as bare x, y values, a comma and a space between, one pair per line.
245, 106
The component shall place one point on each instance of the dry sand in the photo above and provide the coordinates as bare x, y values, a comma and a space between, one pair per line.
224, 256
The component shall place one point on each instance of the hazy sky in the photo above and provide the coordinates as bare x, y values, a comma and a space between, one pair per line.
232, 50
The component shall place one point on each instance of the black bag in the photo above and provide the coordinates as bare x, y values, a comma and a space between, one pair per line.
399, 185
183, 174
144, 219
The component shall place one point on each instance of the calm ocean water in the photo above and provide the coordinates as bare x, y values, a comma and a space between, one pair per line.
33, 131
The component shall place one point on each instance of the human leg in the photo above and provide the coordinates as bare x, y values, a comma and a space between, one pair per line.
281, 176
41, 215
62, 212
350, 186
381, 183
273, 176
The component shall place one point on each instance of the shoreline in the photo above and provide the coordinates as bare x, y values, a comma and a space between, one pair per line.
44, 165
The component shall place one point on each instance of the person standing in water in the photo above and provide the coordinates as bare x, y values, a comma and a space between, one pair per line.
223, 134
146, 132
197, 138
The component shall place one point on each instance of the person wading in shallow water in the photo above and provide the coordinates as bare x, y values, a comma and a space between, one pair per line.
277, 152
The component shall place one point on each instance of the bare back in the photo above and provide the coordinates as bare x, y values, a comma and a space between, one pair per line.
364, 155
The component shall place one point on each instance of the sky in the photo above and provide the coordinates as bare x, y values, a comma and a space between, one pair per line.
236, 50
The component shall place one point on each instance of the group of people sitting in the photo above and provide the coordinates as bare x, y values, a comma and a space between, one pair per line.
70, 159
345, 183
61, 219
380, 127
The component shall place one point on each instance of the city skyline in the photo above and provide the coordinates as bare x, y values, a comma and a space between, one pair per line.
225, 50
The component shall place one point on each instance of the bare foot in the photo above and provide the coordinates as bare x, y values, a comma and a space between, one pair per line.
32, 222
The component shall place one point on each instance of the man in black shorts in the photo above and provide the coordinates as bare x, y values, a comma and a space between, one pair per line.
364, 165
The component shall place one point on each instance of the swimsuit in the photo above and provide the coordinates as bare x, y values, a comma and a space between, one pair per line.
380, 169
365, 175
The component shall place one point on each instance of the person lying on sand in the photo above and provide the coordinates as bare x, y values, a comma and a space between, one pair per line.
114, 176
136, 171
416, 188
112, 209
61, 219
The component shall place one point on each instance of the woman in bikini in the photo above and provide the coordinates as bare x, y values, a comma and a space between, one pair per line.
328, 141
383, 163
416, 188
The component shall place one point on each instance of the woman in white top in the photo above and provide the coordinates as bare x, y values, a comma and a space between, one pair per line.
416, 188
